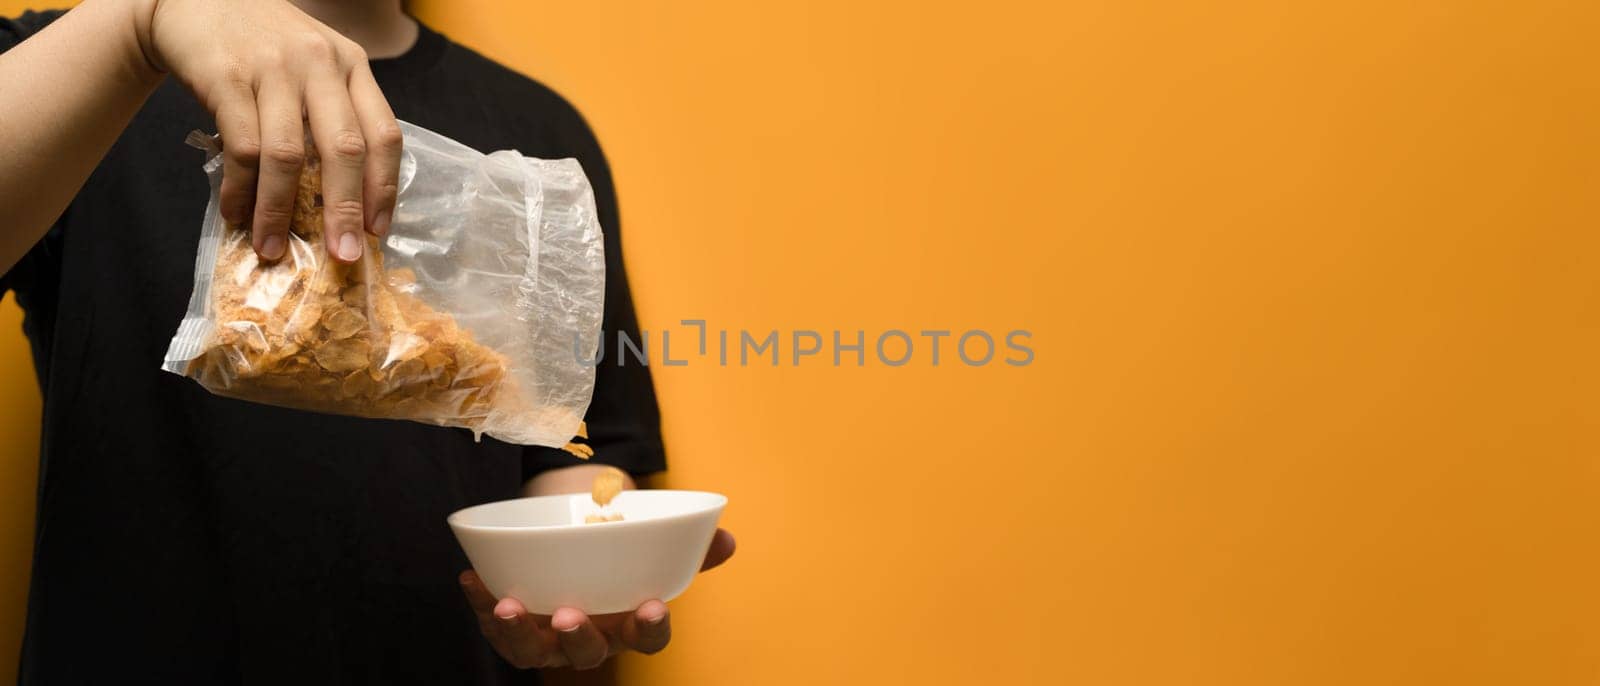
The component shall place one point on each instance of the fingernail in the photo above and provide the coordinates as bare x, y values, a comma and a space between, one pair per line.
570, 629
272, 247
380, 223
507, 618
465, 578
652, 621
349, 247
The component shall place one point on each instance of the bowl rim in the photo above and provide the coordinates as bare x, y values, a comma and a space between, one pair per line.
453, 519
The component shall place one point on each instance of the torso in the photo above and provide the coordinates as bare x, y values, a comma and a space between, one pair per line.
197, 539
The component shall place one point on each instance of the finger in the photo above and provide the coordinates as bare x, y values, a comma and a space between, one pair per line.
721, 549
648, 629
520, 640
343, 153
482, 602
283, 152
241, 152
478, 595
381, 181
583, 644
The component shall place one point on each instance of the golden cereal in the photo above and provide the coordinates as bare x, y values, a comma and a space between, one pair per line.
308, 332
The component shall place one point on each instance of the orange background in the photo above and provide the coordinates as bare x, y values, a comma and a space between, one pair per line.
1314, 290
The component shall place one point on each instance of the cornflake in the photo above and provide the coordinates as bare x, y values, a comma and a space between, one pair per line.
607, 484
307, 331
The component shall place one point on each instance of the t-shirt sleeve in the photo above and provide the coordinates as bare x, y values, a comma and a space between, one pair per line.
624, 423
33, 265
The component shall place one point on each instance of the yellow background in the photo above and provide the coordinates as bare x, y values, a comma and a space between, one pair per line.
1312, 286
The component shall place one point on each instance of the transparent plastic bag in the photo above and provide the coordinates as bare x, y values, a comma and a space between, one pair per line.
474, 311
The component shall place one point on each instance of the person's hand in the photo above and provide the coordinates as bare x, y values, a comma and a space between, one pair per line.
569, 637
258, 66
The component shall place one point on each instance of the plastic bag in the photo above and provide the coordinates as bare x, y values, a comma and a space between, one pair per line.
474, 311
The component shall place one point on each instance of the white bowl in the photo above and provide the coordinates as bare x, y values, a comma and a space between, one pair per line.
539, 551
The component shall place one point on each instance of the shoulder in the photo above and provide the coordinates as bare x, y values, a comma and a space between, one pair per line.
538, 104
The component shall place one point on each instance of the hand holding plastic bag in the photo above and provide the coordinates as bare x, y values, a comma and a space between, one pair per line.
473, 311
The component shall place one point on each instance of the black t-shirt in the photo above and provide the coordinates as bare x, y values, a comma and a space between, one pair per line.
185, 538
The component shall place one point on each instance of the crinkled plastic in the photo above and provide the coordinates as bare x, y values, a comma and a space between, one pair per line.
476, 310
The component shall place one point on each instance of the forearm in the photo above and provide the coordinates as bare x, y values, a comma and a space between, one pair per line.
65, 95
574, 479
